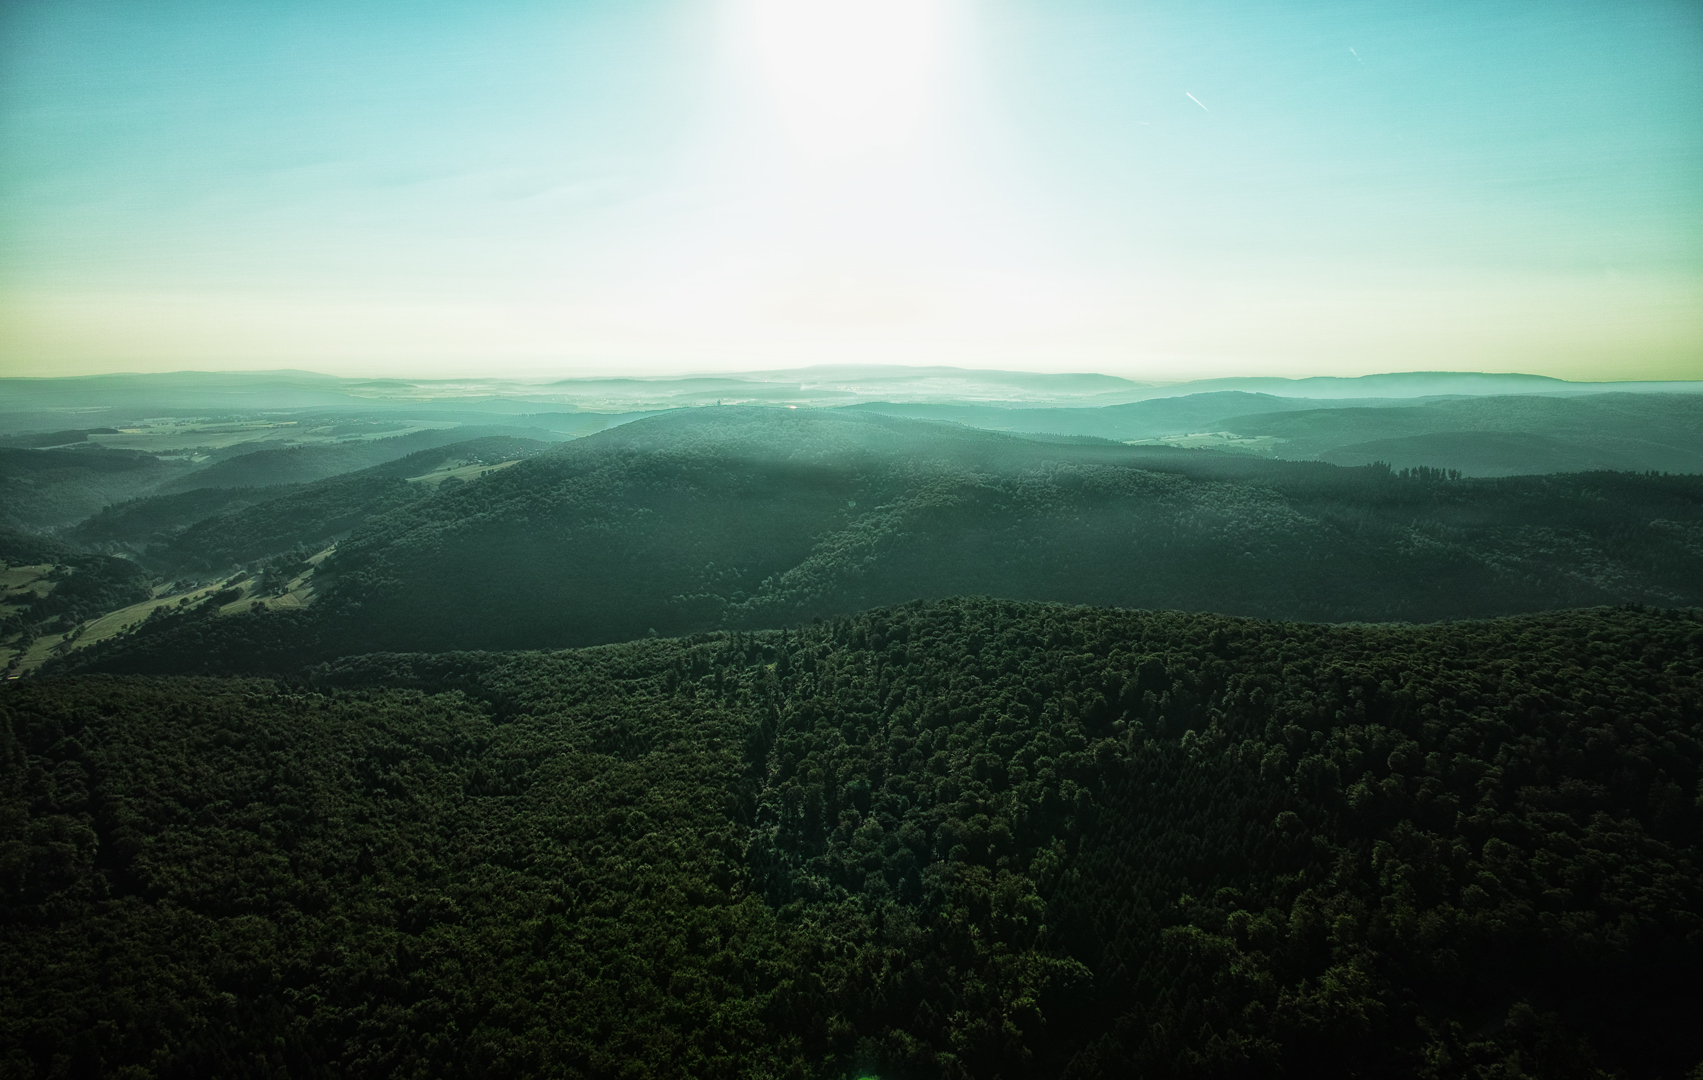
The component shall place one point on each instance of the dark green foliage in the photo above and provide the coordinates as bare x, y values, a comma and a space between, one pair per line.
973, 838
42, 439
1486, 453
234, 879
313, 515
138, 524
50, 488
489, 450
19, 548
310, 516
1499, 436
749, 518
197, 641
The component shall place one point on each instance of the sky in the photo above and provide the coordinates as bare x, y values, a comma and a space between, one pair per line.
1167, 190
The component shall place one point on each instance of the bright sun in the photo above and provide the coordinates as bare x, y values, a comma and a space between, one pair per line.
848, 77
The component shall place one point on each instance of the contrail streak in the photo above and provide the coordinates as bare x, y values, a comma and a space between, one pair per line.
1194, 99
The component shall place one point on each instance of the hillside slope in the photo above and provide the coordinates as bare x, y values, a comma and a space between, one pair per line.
214, 528
304, 464
49, 587
44, 489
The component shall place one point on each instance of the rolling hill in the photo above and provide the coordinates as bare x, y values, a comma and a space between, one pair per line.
1502, 435
746, 518
46, 489
303, 464
1150, 419
215, 527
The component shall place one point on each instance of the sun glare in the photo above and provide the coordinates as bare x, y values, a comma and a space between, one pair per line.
847, 78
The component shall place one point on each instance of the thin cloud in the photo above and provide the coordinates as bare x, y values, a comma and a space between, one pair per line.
1194, 99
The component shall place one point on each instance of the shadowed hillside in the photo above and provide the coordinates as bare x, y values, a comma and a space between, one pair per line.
50, 488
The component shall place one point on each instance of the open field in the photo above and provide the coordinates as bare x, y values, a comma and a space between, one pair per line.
18, 579
1215, 440
166, 435
298, 593
460, 472
107, 626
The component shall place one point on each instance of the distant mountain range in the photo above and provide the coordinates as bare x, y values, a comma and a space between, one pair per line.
1503, 435
49, 404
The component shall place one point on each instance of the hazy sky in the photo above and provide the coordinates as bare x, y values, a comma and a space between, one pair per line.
1166, 190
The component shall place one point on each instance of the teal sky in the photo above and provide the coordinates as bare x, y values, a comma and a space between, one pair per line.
1164, 190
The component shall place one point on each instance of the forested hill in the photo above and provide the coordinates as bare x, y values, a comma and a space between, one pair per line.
752, 517
303, 464
966, 839
214, 528
51, 488
748, 518
1497, 435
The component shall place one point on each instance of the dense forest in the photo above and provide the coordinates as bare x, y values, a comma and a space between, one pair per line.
135, 525
757, 518
969, 838
53, 488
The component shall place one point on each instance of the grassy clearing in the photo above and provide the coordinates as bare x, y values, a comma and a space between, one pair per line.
467, 472
1215, 440
114, 623
17, 577
180, 434
298, 593
16, 581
